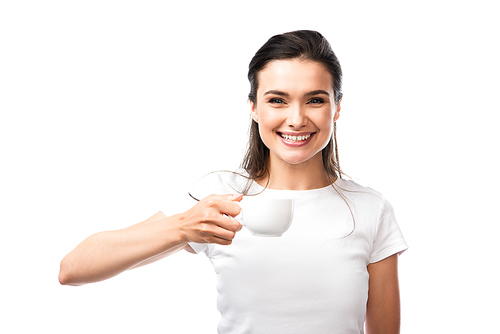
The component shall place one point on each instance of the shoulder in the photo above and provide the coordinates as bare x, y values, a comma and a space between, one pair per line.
362, 196
352, 188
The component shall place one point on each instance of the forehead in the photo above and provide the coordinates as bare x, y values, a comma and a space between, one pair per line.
295, 76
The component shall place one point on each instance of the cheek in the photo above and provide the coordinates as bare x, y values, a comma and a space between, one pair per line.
265, 133
325, 123
267, 122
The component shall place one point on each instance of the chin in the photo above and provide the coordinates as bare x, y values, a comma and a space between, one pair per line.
297, 160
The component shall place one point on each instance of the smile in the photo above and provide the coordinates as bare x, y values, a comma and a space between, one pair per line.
295, 138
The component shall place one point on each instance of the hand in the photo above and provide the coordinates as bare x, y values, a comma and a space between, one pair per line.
209, 220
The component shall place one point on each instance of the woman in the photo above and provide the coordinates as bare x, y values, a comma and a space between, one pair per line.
334, 270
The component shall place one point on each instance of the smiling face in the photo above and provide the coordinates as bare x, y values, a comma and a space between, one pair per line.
295, 110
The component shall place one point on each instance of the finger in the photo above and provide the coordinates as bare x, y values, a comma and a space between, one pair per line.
221, 241
236, 198
225, 234
228, 223
225, 204
230, 208
228, 197
211, 232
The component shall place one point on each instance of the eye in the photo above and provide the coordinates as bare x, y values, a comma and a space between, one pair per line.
316, 100
276, 100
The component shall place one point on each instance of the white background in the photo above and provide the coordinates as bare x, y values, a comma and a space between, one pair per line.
110, 110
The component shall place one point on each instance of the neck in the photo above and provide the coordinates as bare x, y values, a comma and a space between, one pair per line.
304, 176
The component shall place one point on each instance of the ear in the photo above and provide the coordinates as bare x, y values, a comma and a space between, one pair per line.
337, 112
254, 112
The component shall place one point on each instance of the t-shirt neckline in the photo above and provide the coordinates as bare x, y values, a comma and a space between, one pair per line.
261, 189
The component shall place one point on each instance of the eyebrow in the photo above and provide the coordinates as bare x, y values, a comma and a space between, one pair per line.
317, 92
276, 92
280, 93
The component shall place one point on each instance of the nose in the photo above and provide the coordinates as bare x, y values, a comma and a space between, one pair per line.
297, 117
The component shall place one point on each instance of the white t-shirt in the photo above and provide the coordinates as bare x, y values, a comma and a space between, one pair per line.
314, 278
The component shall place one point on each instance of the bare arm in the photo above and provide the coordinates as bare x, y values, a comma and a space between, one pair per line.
106, 254
383, 307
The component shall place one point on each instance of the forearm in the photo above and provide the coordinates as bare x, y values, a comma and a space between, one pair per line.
106, 254
383, 306
385, 319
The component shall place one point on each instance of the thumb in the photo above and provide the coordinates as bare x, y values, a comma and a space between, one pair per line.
234, 197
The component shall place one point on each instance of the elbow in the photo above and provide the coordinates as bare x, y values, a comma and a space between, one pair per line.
63, 278
66, 277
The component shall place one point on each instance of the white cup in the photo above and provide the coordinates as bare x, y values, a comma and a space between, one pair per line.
266, 217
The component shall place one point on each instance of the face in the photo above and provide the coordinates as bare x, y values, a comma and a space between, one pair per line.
295, 110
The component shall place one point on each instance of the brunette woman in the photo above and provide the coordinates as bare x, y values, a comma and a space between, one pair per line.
334, 270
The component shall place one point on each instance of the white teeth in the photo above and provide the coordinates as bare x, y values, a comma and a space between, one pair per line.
295, 138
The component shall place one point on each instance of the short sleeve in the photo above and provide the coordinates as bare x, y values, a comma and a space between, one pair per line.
198, 248
388, 239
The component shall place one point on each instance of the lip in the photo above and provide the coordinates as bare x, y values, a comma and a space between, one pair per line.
295, 133
295, 144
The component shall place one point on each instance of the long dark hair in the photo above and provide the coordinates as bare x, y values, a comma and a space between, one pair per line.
304, 45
